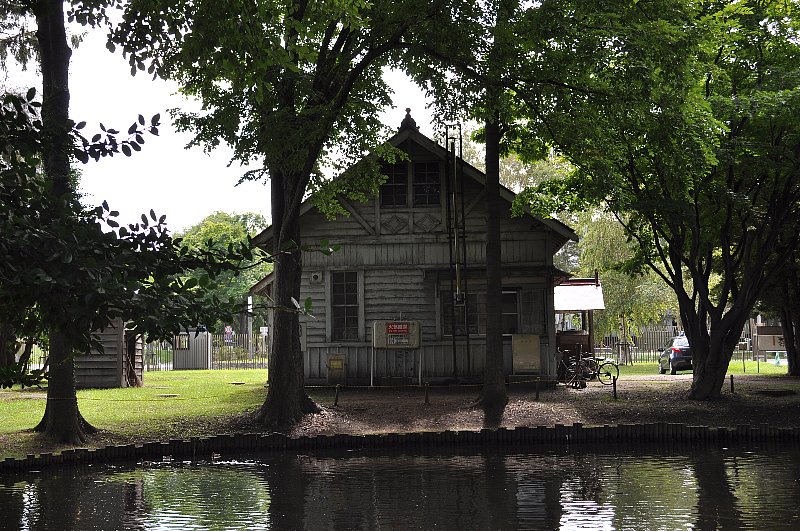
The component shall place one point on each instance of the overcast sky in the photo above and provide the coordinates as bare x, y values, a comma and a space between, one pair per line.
184, 184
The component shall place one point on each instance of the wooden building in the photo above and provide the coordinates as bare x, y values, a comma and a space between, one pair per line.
119, 365
403, 300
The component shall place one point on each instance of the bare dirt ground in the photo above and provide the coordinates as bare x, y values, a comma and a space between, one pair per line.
640, 400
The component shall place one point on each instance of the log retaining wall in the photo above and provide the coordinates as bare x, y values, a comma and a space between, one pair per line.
575, 436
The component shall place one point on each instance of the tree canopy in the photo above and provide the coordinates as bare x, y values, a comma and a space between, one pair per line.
694, 149
217, 231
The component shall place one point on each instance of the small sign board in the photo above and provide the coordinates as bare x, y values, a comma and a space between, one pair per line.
395, 334
525, 352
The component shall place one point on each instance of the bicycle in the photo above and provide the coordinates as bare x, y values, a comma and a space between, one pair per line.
604, 369
573, 372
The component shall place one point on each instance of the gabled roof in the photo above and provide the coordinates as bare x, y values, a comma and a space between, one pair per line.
409, 131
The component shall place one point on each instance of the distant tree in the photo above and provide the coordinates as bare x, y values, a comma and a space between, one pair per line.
17, 34
641, 297
218, 230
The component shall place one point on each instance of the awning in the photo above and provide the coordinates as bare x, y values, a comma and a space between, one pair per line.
577, 295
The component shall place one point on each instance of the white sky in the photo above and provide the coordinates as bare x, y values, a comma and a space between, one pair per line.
184, 184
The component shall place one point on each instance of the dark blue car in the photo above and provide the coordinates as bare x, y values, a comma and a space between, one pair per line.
676, 356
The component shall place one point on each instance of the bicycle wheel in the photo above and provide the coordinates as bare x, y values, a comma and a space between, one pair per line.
577, 376
591, 368
607, 372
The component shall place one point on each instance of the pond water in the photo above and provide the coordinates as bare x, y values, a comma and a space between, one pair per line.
694, 489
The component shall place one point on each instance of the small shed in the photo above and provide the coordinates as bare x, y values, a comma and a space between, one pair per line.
574, 301
192, 350
119, 365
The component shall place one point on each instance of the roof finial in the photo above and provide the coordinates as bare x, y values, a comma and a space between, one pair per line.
408, 122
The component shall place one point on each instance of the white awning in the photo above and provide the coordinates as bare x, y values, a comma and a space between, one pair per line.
578, 297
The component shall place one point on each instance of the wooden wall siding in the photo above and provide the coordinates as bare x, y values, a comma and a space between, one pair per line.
393, 235
437, 359
138, 357
106, 369
392, 293
398, 253
396, 293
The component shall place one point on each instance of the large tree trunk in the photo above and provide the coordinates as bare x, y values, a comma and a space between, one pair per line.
8, 342
494, 397
286, 400
712, 352
62, 421
790, 320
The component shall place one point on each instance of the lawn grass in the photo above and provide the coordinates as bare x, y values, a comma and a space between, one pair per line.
199, 394
735, 367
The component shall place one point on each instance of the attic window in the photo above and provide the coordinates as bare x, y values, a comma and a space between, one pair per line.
426, 184
393, 191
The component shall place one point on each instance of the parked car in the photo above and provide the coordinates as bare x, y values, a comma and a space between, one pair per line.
675, 356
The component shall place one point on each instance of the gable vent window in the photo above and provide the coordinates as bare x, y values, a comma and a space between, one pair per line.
393, 191
426, 184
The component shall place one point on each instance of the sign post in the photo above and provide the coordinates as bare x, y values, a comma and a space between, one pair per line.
395, 335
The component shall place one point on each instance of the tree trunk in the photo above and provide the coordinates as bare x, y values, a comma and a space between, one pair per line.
494, 397
8, 341
790, 322
712, 353
62, 421
286, 400
25, 357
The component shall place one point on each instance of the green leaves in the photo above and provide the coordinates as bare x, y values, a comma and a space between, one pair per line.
61, 259
106, 144
15, 374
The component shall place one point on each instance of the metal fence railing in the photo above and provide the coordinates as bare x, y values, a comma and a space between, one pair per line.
238, 351
38, 357
645, 342
158, 356
227, 351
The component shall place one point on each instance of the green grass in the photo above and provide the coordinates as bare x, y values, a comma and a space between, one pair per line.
199, 394
735, 367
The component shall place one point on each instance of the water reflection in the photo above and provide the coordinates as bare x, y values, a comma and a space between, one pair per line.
708, 489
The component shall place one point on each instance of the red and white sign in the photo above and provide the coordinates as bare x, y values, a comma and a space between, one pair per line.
397, 327
395, 334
